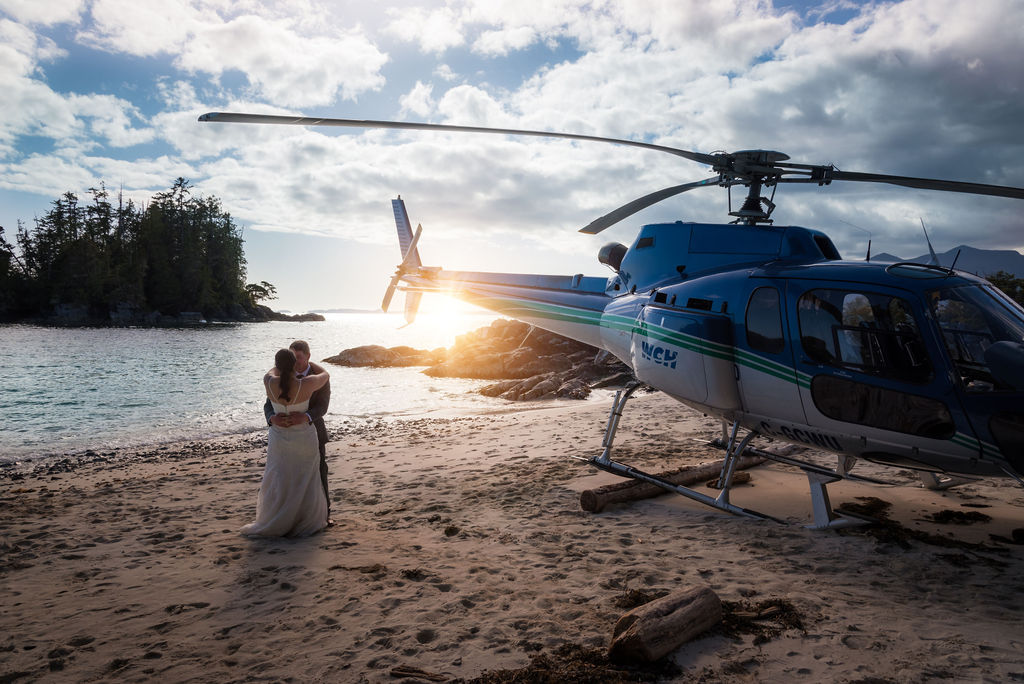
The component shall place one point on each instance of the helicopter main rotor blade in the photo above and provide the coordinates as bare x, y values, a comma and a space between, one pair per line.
930, 184
231, 117
626, 210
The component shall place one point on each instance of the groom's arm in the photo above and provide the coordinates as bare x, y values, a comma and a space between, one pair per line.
268, 411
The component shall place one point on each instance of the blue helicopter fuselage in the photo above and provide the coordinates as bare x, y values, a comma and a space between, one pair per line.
877, 360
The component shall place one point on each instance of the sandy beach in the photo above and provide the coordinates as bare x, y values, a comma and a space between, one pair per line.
460, 551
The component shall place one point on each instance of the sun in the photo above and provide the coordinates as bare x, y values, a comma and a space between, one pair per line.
445, 313
447, 307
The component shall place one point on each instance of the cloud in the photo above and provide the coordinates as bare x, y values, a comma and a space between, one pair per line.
33, 108
283, 66
143, 28
505, 41
434, 30
282, 58
418, 100
445, 73
42, 13
110, 119
473, 106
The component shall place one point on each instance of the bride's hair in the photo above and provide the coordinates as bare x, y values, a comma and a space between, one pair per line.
284, 362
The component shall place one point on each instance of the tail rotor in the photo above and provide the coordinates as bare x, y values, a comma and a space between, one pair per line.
411, 260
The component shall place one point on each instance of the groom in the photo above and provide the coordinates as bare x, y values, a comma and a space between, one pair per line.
315, 413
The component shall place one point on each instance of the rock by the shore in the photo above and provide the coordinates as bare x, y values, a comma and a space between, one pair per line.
266, 314
530, 363
376, 356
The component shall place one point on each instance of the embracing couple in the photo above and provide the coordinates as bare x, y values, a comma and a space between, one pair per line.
293, 500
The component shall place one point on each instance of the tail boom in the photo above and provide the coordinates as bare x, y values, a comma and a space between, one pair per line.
572, 306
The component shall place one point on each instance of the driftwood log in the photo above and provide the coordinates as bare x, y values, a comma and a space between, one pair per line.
595, 500
655, 629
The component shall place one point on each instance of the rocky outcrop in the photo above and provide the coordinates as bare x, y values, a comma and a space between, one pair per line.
376, 356
530, 363
264, 313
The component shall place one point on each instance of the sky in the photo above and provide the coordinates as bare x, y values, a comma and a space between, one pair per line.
109, 91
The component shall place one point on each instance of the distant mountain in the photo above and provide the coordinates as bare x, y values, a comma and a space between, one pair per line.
981, 262
886, 257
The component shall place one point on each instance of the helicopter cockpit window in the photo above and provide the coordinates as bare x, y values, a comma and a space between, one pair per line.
764, 321
863, 331
972, 319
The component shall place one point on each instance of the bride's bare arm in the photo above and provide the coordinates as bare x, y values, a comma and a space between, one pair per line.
316, 380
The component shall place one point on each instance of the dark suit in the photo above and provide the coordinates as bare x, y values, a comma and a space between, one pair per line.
318, 403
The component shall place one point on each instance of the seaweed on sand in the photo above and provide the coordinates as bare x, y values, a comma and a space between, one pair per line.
765, 620
577, 664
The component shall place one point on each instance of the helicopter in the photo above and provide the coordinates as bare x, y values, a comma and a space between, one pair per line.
767, 328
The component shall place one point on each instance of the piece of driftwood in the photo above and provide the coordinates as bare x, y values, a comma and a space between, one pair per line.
655, 629
595, 500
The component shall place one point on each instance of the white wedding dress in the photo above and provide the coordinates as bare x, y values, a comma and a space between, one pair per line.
291, 500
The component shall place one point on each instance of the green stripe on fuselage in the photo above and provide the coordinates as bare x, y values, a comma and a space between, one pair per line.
532, 309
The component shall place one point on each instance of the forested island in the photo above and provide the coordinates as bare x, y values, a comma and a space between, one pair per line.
179, 259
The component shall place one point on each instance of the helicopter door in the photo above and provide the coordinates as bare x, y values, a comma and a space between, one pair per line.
764, 357
868, 378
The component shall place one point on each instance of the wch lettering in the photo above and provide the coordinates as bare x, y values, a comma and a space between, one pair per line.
660, 355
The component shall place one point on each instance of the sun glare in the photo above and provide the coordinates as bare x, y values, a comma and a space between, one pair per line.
448, 314
445, 307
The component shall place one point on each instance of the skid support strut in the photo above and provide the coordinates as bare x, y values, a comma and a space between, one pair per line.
824, 515
621, 397
605, 462
941, 482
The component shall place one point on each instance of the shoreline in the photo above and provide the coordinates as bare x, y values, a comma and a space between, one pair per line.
460, 548
35, 465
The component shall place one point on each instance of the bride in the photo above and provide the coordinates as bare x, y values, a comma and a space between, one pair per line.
291, 499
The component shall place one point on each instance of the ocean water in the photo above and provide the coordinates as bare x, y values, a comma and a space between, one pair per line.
68, 390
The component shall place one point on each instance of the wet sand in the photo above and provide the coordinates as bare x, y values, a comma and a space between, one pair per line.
460, 550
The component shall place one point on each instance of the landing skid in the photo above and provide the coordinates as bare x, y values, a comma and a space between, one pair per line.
818, 477
605, 462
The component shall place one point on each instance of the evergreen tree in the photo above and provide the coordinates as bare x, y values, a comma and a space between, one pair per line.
1013, 287
11, 285
180, 253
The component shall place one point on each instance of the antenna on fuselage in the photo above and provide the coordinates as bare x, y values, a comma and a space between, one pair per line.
863, 230
935, 259
953, 265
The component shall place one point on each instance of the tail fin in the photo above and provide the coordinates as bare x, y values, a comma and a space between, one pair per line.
405, 233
